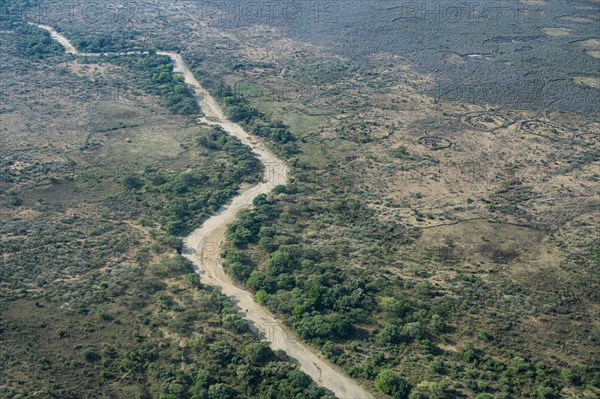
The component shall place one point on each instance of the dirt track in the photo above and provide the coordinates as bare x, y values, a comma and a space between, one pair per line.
202, 246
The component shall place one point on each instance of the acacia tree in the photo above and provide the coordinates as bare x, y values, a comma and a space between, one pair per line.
280, 262
257, 352
392, 383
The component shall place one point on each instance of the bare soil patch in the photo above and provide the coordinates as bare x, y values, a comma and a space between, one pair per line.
591, 47
590, 81
557, 31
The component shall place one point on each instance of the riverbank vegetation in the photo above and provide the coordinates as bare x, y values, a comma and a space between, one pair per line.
104, 43
181, 201
368, 319
95, 302
154, 74
408, 317
420, 261
238, 109
35, 42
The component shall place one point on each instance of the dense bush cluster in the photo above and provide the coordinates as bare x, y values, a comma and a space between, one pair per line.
180, 201
224, 362
316, 256
186, 341
239, 110
100, 43
92, 307
154, 74
367, 320
34, 42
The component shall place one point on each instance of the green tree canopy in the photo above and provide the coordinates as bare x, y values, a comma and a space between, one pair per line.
390, 382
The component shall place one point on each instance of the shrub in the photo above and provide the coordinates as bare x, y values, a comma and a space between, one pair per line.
133, 182
261, 296
257, 352
392, 383
91, 355
221, 391
429, 390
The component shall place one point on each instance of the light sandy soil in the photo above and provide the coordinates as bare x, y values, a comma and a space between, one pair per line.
591, 81
580, 20
69, 48
203, 245
533, 2
591, 47
557, 31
